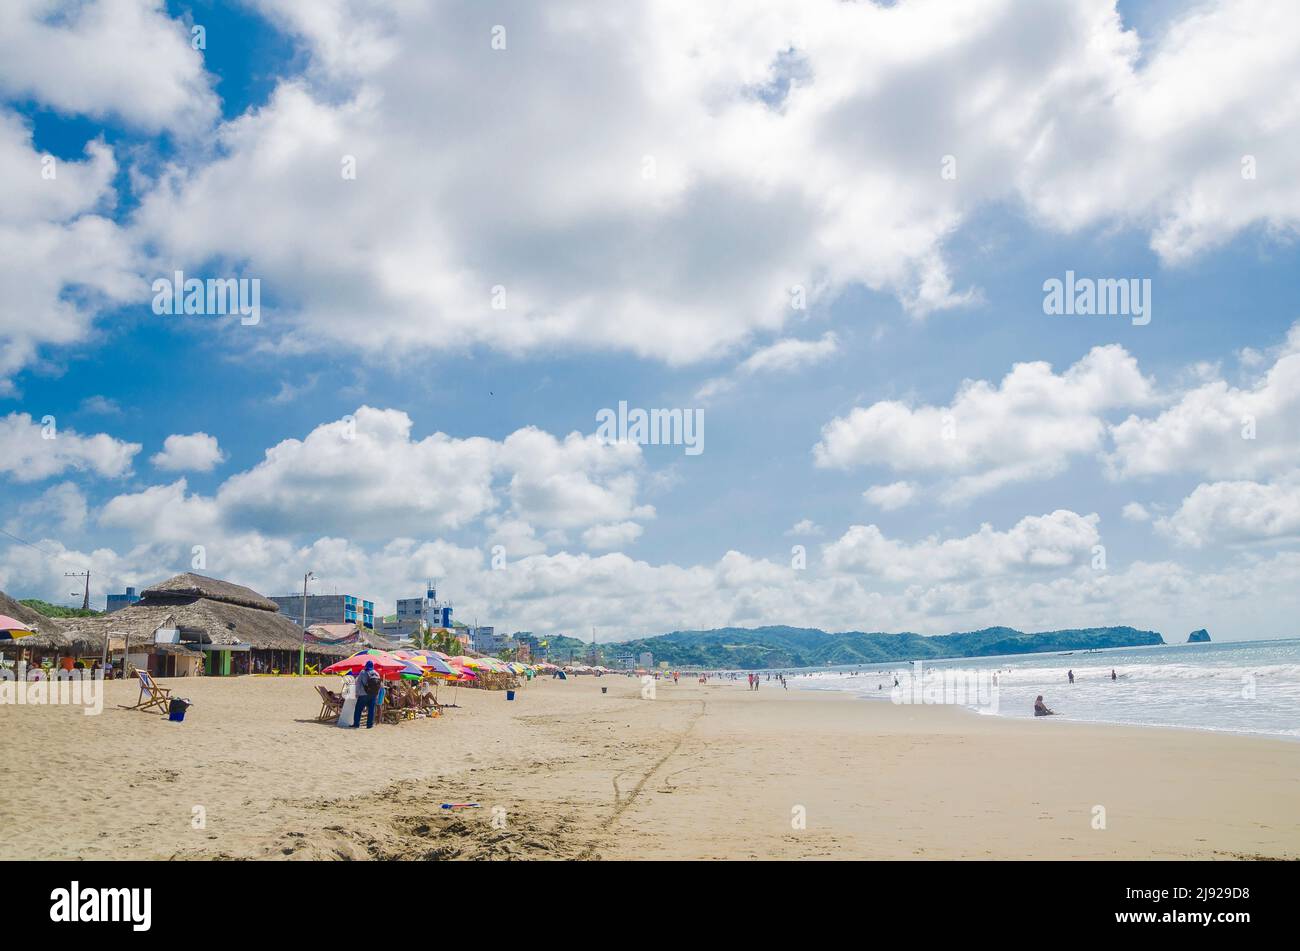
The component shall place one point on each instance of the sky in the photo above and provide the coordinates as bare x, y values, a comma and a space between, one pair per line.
825, 232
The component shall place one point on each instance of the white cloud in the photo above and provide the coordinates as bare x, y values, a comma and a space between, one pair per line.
1236, 512
783, 356
61, 260
1027, 427
1136, 512
1220, 430
1058, 540
197, 452
62, 506
365, 477
805, 526
610, 537
102, 58
892, 496
678, 232
27, 455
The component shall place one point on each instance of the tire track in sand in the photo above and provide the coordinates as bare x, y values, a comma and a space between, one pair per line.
621, 804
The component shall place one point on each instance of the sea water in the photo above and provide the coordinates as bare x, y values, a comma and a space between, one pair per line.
1237, 687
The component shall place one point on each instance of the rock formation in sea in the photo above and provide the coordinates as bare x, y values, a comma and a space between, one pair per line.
1199, 637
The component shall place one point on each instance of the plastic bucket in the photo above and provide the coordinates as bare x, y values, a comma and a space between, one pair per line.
604, 690
510, 695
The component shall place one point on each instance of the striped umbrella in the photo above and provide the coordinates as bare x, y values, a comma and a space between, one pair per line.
11, 628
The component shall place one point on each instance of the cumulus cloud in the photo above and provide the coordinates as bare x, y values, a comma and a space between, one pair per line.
366, 477
712, 195
61, 260
1027, 427
1057, 540
805, 526
61, 506
197, 452
1219, 430
31, 450
105, 58
1136, 512
1236, 512
892, 496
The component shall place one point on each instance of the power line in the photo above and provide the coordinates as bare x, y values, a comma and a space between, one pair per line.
29, 544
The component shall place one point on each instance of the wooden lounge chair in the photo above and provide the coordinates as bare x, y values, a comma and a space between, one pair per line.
331, 705
151, 695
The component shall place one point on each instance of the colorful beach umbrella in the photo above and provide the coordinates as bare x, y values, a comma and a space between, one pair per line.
426, 660
388, 666
11, 628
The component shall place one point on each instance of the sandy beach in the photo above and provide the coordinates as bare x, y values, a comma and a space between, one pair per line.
565, 772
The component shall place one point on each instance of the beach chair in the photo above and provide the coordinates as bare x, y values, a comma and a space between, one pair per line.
151, 695
331, 705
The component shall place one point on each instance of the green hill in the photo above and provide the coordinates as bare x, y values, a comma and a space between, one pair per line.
55, 610
754, 648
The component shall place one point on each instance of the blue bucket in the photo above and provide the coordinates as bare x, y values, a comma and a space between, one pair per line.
510, 695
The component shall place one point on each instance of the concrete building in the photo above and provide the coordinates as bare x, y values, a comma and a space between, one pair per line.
117, 602
646, 660
328, 609
416, 613
485, 640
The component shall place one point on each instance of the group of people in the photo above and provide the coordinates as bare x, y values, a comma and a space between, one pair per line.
371, 691
1041, 709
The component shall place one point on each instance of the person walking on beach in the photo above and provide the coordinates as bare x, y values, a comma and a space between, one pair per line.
1070, 674
368, 684
1040, 708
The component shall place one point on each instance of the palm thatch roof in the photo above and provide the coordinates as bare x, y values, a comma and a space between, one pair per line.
205, 610
49, 631
187, 586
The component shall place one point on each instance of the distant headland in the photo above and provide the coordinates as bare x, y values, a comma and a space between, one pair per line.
778, 646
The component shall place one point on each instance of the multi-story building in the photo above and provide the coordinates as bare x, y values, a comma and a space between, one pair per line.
485, 640
529, 646
416, 613
646, 660
328, 609
118, 601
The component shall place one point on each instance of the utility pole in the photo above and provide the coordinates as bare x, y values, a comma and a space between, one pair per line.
85, 601
302, 651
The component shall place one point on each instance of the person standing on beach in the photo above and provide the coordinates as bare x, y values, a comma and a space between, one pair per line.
1070, 674
368, 684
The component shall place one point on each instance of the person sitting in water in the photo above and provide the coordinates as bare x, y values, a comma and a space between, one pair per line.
1040, 708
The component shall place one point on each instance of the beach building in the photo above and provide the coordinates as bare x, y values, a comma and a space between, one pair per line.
116, 602
485, 640
328, 609
49, 640
416, 614
191, 619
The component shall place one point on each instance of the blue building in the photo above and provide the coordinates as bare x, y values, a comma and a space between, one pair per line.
118, 601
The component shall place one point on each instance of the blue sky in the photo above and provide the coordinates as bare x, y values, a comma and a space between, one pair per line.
526, 167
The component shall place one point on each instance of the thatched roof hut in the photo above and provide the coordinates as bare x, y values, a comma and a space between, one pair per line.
205, 611
49, 631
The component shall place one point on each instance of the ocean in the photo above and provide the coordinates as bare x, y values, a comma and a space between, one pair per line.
1234, 687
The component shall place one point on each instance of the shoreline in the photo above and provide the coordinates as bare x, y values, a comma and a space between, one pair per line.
564, 771
1065, 718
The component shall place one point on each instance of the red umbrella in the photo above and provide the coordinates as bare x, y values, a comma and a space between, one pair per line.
386, 665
